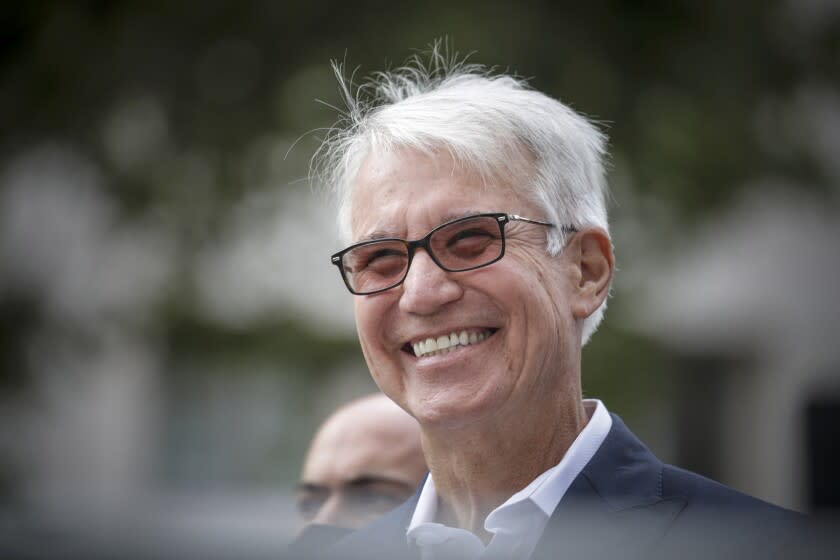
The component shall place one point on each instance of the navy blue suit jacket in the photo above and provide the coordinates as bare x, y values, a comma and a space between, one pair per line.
625, 503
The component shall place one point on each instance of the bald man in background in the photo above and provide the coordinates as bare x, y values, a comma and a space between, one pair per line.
365, 460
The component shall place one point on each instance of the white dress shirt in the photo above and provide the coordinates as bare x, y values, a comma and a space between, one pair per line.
517, 524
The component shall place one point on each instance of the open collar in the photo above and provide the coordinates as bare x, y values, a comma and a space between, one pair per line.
615, 507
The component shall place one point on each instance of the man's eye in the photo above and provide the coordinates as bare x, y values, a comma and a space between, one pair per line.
384, 254
367, 257
309, 506
470, 243
374, 500
470, 235
385, 261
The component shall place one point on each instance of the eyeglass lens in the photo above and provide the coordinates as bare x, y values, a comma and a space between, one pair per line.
461, 245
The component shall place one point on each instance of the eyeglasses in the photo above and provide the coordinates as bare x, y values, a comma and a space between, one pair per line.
464, 244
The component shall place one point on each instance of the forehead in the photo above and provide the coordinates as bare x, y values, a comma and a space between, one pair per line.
406, 192
344, 450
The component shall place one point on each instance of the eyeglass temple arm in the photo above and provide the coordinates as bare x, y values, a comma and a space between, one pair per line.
517, 218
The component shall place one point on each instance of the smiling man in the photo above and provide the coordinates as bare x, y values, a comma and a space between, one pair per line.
480, 261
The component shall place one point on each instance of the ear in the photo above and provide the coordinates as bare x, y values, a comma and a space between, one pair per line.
593, 261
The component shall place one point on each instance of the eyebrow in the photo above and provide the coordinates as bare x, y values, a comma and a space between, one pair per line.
360, 481
389, 234
369, 480
311, 487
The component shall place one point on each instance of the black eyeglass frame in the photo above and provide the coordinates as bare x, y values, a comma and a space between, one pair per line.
411, 246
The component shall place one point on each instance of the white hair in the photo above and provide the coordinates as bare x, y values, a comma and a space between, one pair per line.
493, 125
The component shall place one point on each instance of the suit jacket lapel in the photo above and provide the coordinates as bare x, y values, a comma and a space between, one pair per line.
614, 508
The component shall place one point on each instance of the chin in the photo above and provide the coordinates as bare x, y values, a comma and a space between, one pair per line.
452, 412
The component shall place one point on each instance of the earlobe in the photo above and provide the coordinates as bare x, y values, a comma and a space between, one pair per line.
595, 264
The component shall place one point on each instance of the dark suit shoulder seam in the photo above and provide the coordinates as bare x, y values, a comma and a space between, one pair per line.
659, 485
592, 485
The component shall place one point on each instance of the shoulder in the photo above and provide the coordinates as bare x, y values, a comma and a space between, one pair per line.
701, 492
313, 539
719, 521
627, 473
384, 538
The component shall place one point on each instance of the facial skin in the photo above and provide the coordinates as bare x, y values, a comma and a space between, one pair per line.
365, 460
531, 302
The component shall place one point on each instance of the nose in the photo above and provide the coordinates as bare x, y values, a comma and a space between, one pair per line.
427, 287
331, 512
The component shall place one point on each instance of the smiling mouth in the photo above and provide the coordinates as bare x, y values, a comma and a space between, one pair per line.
436, 346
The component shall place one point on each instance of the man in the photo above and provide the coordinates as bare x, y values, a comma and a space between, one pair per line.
480, 261
364, 460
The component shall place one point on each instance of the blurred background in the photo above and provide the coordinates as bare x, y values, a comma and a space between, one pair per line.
171, 331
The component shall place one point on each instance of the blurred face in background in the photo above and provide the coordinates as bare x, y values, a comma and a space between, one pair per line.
364, 461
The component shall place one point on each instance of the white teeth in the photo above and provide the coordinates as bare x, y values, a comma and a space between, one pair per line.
445, 344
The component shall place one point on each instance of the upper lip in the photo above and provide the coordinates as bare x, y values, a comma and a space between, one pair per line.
445, 332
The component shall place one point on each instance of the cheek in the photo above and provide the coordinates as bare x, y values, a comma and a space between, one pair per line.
547, 313
362, 313
543, 292
553, 296
366, 327
371, 325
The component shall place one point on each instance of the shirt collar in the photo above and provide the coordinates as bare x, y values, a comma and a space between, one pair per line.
548, 489
426, 509
544, 492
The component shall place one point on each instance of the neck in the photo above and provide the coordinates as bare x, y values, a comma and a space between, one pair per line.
478, 467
